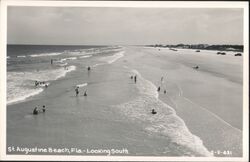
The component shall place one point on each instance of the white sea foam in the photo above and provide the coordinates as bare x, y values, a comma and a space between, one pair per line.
74, 52
146, 87
68, 58
82, 85
21, 56
85, 56
96, 51
23, 94
165, 122
21, 85
45, 54
113, 58
63, 64
43, 84
98, 64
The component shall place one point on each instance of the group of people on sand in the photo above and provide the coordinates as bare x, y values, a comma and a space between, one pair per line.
36, 110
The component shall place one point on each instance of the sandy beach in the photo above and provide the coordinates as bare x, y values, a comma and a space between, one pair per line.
199, 115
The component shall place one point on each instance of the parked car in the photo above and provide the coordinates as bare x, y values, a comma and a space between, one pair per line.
221, 53
238, 54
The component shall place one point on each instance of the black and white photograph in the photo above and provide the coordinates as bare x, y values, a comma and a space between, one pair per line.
121, 80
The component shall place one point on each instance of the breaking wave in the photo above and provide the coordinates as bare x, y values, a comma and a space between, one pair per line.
21, 85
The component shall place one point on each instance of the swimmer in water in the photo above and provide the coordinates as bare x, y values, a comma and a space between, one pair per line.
35, 111
153, 111
159, 88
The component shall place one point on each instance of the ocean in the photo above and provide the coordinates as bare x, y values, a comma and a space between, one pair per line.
27, 64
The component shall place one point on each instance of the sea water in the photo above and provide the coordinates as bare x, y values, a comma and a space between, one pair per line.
27, 64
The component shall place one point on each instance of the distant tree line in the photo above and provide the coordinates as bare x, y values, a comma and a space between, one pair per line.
224, 47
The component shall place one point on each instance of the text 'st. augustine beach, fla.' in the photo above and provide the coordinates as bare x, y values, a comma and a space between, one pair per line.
101, 81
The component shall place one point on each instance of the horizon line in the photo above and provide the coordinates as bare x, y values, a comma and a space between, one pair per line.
123, 44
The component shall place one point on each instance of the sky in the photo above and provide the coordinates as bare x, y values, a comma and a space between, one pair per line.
123, 26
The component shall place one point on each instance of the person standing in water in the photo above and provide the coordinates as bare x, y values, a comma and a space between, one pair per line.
135, 78
43, 108
35, 111
85, 93
36, 83
159, 88
77, 91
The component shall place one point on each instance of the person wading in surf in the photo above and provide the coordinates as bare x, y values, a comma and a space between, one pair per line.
85, 93
43, 108
77, 91
159, 88
35, 111
135, 78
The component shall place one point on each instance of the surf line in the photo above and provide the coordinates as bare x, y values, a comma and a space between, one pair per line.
148, 90
216, 116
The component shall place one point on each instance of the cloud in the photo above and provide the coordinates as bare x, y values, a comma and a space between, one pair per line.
97, 25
